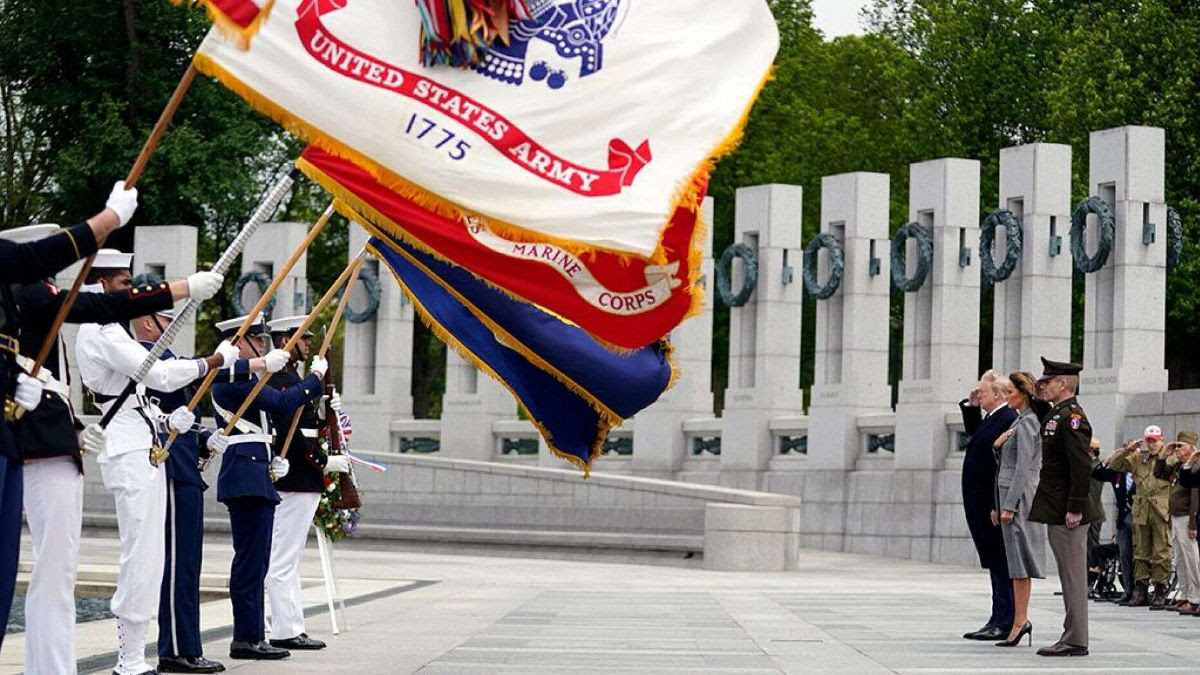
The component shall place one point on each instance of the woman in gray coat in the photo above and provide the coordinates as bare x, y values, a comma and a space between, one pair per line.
1020, 462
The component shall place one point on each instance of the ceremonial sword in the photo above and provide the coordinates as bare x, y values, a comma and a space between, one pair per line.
260, 216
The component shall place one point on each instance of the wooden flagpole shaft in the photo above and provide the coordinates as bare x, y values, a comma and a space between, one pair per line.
326, 342
351, 270
139, 165
260, 306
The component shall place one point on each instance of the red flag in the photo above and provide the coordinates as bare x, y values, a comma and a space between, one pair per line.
239, 19
624, 301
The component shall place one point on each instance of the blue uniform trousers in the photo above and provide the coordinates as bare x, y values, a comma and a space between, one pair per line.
12, 491
251, 520
1004, 605
179, 601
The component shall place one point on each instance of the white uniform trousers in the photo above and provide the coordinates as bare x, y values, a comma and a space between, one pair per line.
1187, 560
54, 510
293, 518
140, 491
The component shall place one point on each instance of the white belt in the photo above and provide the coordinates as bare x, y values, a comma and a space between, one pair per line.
308, 433
251, 438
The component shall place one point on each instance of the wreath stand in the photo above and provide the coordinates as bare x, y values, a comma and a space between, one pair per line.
329, 573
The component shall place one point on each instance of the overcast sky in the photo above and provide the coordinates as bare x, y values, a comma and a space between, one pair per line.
838, 17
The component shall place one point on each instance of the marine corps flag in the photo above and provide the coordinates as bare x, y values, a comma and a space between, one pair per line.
239, 19
575, 390
589, 129
625, 302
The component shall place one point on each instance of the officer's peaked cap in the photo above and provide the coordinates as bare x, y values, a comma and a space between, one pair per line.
21, 235
229, 327
1053, 368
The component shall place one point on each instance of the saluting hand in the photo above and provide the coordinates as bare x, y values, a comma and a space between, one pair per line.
1002, 439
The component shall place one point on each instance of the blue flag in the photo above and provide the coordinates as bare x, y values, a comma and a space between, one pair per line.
575, 390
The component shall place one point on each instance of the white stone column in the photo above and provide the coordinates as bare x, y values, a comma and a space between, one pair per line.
169, 252
377, 359
852, 326
941, 320
659, 444
1033, 306
472, 403
1125, 302
764, 334
267, 251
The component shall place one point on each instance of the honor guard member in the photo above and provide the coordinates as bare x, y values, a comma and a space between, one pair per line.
1145, 459
245, 485
299, 492
1062, 500
108, 358
180, 649
48, 442
24, 263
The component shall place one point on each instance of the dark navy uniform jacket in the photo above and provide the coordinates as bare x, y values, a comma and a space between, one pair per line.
183, 461
50, 429
306, 461
244, 464
28, 263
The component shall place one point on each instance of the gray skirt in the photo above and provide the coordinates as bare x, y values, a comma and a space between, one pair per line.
1024, 545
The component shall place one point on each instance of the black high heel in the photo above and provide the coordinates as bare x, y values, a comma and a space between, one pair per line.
1027, 629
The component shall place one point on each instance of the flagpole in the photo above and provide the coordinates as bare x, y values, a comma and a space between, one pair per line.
351, 269
259, 306
139, 165
326, 343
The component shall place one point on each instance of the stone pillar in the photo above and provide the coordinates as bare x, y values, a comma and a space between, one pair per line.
1125, 302
764, 334
1033, 306
377, 359
852, 326
169, 252
659, 444
472, 403
266, 252
941, 320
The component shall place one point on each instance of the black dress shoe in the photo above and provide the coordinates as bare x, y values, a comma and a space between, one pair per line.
992, 633
301, 641
260, 651
1063, 649
188, 664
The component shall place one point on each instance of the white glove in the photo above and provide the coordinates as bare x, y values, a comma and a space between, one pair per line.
29, 392
204, 285
181, 420
217, 443
123, 202
276, 359
318, 367
279, 467
335, 401
337, 464
93, 439
228, 353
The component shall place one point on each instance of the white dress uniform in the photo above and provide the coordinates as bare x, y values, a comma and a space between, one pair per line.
108, 357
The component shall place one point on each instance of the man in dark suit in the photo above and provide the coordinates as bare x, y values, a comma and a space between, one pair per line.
986, 416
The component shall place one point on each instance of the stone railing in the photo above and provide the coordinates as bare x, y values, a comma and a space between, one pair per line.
437, 499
